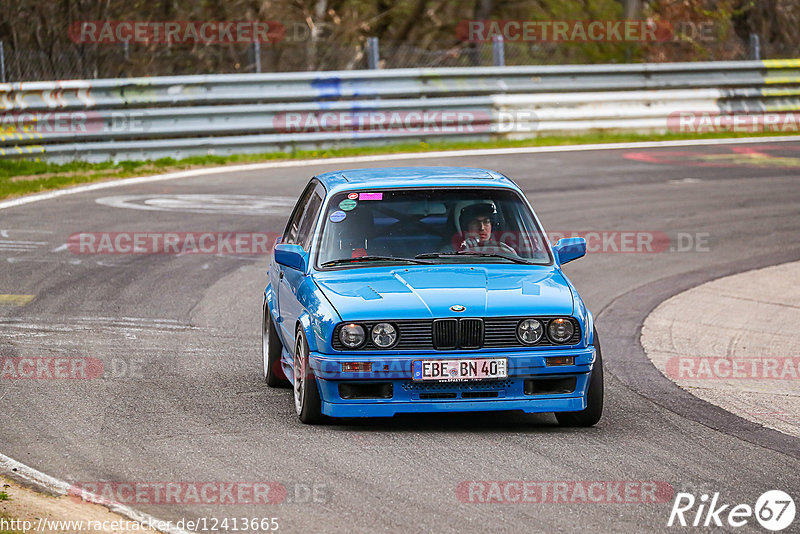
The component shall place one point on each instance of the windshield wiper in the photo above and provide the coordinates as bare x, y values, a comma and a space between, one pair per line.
471, 253
341, 261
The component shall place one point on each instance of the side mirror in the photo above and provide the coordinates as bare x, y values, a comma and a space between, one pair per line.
569, 248
291, 256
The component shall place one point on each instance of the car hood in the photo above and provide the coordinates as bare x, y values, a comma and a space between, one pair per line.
429, 292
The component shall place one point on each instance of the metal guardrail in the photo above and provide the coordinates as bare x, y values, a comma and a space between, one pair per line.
180, 116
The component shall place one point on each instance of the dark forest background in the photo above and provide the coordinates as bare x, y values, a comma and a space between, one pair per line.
332, 34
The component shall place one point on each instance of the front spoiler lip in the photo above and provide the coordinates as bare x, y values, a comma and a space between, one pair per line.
573, 403
398, 367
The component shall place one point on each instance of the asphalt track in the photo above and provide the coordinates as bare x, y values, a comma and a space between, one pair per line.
196, 409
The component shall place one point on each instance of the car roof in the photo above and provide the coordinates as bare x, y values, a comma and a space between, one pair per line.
380, 177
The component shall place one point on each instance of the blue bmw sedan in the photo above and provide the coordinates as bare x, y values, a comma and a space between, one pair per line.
426, 289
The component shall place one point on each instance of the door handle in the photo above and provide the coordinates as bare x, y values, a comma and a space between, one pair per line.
280, 275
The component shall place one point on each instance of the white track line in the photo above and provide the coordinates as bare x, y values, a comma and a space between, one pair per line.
54, 485
387, 157
59, 486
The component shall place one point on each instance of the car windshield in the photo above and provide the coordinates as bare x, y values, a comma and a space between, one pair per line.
429, 226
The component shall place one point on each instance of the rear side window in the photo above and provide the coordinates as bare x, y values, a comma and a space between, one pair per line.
306, 231
293, 228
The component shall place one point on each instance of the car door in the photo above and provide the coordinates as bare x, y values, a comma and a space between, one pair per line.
299, 231
276, 270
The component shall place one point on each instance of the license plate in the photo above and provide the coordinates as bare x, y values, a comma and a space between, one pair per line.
460, 370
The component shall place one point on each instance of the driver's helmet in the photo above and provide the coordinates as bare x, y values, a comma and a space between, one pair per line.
477, 209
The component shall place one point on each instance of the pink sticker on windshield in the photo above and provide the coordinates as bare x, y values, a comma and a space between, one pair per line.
370, 196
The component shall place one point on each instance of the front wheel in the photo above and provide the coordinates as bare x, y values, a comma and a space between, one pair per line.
271, 348
307, 402
594, 396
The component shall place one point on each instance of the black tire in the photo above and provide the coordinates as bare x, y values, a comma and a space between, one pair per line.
594, 397
271, 348
307, 402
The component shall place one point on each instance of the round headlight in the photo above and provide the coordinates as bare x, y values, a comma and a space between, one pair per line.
352, 335
560, 330
384, 335
530, 331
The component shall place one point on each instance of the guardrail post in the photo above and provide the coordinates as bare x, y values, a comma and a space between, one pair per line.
373, 56
755, 46
257, 54
498, 51
2, 63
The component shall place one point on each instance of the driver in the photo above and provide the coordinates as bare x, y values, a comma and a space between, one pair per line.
477, 223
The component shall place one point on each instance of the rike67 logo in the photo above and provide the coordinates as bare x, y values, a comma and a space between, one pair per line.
774, 510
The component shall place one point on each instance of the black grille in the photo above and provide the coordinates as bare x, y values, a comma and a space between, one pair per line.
445, 334
470, 333
471, 385
449, 334
479, 389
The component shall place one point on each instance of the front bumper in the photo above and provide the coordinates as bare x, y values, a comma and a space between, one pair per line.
398, 393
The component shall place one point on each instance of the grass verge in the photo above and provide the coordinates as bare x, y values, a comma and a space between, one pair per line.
21, 177
5, 519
